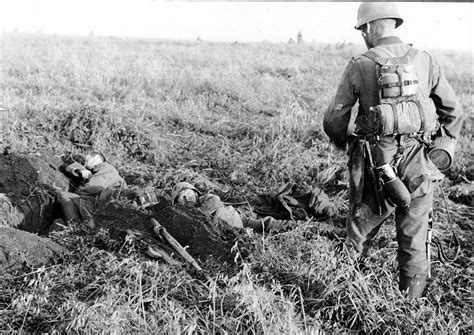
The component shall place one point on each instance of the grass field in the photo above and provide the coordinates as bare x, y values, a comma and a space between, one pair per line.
238, 119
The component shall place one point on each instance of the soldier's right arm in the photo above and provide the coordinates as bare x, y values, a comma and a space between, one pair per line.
447, 105
337, 117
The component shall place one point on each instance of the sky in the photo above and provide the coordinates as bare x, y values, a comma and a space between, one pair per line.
436, 25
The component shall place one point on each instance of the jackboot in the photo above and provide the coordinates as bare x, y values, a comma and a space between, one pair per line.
412, 286
70, 210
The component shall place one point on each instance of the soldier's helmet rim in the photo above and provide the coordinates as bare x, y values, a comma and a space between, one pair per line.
371, 11
94, 158
181, 187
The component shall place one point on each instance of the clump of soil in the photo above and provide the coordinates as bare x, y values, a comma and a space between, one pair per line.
19, 248
20, 174
189, 226
29, 181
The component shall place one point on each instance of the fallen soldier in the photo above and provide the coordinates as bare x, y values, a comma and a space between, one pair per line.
290, 203
281, 210
96, 182
99, 182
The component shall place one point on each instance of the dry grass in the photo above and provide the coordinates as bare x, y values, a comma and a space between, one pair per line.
239, 120
10, 216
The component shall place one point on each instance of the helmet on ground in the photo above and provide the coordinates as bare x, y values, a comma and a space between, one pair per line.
371, 11
184, 193
210, 203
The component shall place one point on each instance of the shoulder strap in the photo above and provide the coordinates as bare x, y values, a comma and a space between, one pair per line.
374, 57
411, 53
430, 76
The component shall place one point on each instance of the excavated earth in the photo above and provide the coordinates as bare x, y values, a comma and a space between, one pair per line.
189, 226
19, 248
27, 181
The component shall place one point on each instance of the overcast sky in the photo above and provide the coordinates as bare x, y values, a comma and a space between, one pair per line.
429, 25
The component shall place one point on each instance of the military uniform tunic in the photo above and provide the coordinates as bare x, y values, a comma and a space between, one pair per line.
418, 173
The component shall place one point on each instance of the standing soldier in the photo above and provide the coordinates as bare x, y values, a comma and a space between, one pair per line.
405, 106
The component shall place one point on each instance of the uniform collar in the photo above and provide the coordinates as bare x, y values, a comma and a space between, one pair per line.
388, 40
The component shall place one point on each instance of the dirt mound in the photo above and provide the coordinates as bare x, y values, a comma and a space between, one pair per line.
189, 226
27, 181
19, 248
19, 174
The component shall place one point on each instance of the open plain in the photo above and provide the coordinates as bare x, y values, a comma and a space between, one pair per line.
238, 120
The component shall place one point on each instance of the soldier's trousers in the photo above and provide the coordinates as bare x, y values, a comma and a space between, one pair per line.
74, 206
364, 222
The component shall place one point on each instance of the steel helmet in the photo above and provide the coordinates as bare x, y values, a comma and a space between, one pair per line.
93, 159
370, 11
210, 203
183, 193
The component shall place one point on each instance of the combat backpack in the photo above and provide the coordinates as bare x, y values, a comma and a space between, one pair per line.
403, 108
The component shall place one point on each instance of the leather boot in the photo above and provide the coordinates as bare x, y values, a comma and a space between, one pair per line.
412, 286
70, 210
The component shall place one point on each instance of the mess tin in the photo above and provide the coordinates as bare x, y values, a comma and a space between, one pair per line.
146, 197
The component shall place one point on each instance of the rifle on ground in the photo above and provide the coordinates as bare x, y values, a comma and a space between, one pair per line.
162, 232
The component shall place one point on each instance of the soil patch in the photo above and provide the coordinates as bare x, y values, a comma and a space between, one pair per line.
27, 180
19, 248
189, 226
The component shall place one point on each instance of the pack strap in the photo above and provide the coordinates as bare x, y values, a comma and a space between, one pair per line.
422, 115
399, 84
411, 53
395, 117
442, 256
374, 56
